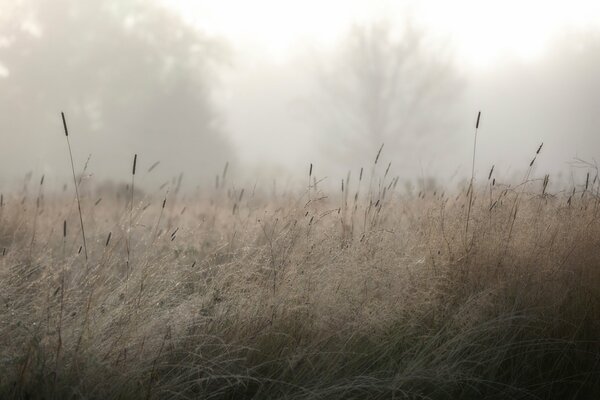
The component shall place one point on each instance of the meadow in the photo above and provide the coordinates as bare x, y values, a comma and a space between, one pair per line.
369, 291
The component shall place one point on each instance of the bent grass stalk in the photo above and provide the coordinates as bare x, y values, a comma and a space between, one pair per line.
76, 186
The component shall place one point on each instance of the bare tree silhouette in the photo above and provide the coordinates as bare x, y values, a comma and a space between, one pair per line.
384, 88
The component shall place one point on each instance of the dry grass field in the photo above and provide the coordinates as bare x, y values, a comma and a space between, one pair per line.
367, 293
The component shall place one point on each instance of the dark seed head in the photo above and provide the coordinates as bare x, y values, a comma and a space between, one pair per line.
378, 154
134, 163
64, 123
587, 181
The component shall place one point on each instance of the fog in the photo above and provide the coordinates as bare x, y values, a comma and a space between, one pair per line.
270, 87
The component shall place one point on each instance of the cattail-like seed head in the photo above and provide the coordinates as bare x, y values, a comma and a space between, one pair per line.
164, 202
134, 163
378, 153
65, 228
491, 171
42, 180
587, 181
539, 148
361, 173
62, 114
310, 170
108, 239
478, 117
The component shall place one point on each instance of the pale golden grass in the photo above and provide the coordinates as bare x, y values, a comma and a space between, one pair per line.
254, 296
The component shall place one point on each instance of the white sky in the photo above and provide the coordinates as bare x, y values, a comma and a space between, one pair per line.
497, 45
270, 38
481, 31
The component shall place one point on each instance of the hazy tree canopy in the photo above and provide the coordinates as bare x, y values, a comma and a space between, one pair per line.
379, 88
130, 76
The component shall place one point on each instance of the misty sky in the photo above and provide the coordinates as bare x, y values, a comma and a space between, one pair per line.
276, 85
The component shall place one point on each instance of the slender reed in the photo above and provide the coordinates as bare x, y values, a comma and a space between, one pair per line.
35, 217
309, 175
64, 236
76, 186
131, 214
472, 175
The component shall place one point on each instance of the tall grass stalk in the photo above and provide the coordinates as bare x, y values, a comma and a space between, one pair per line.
472, 176
75, 184
129, 250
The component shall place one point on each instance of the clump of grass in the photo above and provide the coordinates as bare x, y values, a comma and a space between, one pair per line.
274, 300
